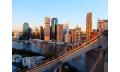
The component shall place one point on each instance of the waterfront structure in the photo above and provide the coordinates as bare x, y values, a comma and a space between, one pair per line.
16, 35
88, 25
47, 29
28, 61
41, 33
54, 22
59, 33
32, 61
16, 58
25, 27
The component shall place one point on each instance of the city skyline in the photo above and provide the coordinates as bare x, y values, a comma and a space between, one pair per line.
34, 12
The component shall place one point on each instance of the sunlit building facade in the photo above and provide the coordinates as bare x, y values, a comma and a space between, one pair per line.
36, 33
68, 38
77, 33
72, 32
88, 25
47, 29
59, 33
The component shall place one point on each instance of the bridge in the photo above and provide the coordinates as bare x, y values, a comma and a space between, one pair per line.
99, 41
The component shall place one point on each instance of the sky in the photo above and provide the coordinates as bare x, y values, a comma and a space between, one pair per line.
72, 11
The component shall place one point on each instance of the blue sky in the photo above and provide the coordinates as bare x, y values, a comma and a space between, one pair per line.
72, 11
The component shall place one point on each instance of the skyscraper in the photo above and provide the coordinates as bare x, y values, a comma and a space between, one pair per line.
41, 33
102, 24
59, 33
106, 24
36, 33
72, 32
65, 29
68, 38
25, 35
77, 33
47, 29
88, 25
54, 22
30, 33
25, 27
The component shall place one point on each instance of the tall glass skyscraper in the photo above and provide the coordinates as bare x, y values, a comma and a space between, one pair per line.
54, 22
25, 27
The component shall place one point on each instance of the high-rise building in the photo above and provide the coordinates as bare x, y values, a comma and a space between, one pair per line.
47, 29
41, 33
16, 35
83, 36
106, 24
102, 25
30, 33
68, 38
59, 33
25, 35
77, 33
88, 25
72, 32
65, 29
36, 33
25, 27
54, 22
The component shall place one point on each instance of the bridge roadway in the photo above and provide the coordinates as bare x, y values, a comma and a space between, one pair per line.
87, 46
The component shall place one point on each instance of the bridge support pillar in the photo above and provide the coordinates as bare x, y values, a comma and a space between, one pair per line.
60, 68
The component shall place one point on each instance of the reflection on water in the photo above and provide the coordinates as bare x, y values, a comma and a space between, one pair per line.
35, 47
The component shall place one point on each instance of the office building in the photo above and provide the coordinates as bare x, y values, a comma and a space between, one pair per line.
88, 25
54, 22
25, 27
41, 33
77, 33
72, 32
102, 25
47, 29
106, 24
36, 33
59, 33
68, 38
65, 29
